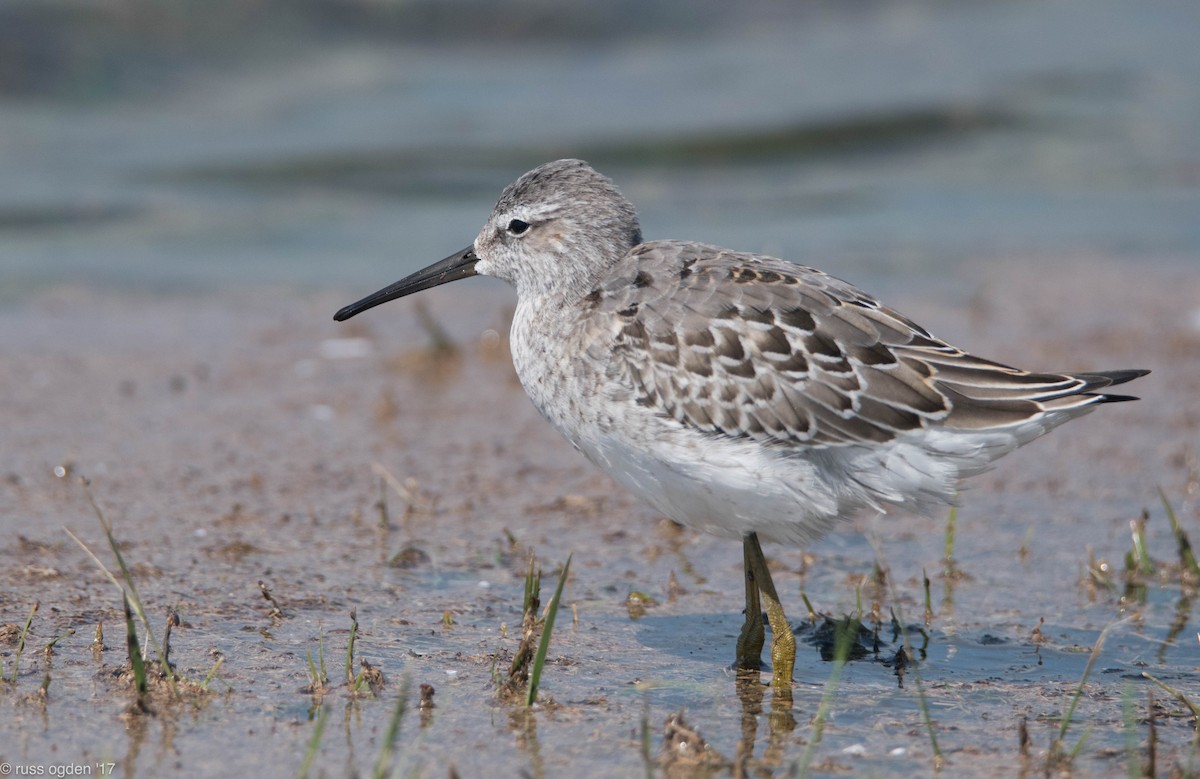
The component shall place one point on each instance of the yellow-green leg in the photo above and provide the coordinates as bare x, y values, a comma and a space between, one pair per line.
783, 644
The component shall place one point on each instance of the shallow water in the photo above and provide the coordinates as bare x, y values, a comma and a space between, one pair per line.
229, 444
884, 141
181, 214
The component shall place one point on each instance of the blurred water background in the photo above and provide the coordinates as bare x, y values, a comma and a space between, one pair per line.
193, 145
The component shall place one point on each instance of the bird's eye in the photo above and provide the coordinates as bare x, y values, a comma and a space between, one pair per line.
517, 227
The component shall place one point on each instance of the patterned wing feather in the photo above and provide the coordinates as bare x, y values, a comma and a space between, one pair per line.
792, 356
750, 346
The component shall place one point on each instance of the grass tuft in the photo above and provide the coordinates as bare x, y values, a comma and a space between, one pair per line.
21, 641
539, 660
369, 679
1137, 560
518, 671
528, 662
128, 589
318, 679
1187, 558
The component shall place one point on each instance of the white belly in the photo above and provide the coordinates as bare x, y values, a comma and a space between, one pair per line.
728, 488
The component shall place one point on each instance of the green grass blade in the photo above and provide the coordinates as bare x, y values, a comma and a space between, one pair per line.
212, 674
915, 669
384, 762
532, 587
951, 532
314, 743
1087, 671
350, 646
1179, 696
54, 641
313, 679
135, 655
644, 740
1142, 563
1129, 724
539, 659
812, 613
841, 651
21, 641
1187, 558
129, 590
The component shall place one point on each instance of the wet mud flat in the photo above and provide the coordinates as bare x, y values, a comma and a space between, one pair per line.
290, 487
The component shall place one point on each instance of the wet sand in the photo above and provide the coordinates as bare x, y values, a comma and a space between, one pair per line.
239, 438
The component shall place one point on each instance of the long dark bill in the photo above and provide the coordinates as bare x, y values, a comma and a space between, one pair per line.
460, 265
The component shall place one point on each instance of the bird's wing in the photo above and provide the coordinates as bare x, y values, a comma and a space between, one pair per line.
751, 346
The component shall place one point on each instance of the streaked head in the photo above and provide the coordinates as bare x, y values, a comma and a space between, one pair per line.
553, 232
